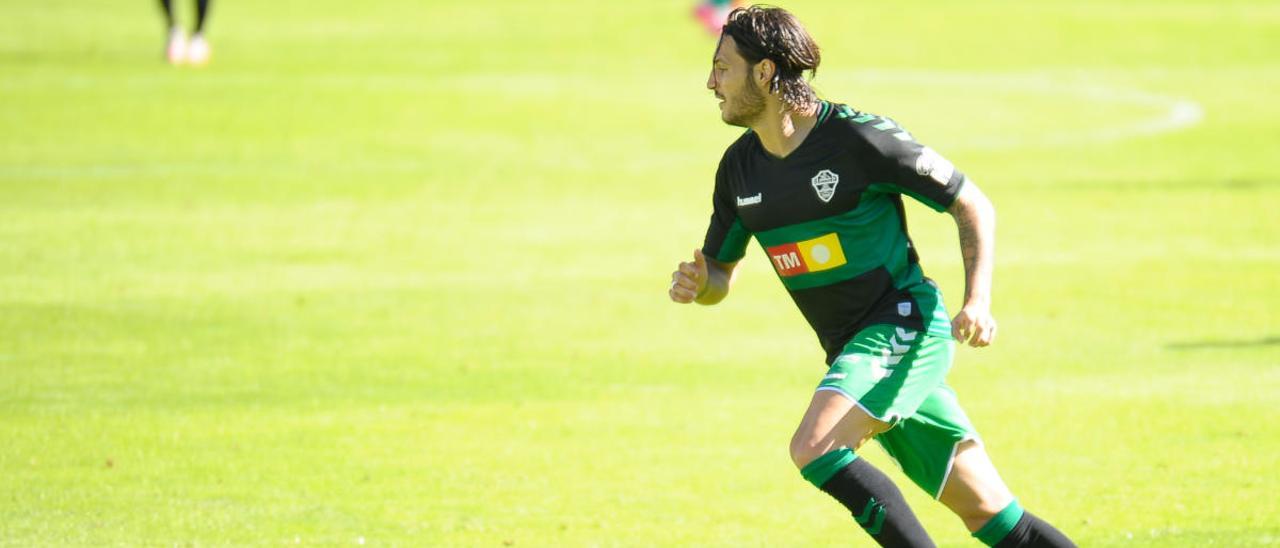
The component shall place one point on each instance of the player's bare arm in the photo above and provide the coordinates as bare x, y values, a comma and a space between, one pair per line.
704, 281
976, 222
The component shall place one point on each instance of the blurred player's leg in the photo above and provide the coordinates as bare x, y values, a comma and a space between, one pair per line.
175, 49
167, 6
199, 51
202, 10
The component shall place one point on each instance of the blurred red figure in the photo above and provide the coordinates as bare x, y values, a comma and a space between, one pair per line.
179, 49
714, 13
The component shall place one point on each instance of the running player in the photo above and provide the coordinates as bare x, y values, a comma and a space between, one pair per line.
820, 186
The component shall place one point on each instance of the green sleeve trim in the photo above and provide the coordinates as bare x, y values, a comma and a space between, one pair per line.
999, 526
823, 468
890, 187
734, 246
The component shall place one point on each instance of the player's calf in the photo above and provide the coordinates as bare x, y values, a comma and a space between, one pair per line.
974, 490
875, 502
821, 449
975, 493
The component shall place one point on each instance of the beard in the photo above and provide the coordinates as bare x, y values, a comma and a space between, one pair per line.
746, 108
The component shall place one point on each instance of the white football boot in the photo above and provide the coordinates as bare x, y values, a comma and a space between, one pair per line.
176, 48
198, 50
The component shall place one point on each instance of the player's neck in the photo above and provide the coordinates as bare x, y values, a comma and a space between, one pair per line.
781, 132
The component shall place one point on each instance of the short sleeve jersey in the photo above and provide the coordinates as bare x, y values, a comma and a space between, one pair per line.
830, 218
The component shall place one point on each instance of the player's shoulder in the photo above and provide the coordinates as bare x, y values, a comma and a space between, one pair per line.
869, 131
739, 147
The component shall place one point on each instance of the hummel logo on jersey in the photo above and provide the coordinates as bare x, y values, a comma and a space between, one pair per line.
816, 255
750, 200
824, 183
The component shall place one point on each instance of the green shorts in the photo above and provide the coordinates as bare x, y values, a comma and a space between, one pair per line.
898, 375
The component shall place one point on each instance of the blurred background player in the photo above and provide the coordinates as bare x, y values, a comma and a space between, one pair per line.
180, 49
714, 13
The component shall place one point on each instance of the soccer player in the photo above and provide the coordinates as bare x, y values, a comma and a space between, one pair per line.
819, 185
179, 49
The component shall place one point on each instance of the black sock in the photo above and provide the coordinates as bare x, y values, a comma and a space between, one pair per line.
1033, 532
202, 8
876, 503
1014, 527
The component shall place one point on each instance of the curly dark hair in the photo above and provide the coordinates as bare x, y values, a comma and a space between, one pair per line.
769, 32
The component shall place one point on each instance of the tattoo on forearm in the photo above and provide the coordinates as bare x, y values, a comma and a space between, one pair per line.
975, 247
968, 239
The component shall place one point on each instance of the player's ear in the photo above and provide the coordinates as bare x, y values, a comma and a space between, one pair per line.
764, 72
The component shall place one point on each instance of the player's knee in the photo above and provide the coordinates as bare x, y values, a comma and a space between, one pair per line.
805, 450
808, 446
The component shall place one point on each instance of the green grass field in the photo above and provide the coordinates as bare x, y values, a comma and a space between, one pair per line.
394, 273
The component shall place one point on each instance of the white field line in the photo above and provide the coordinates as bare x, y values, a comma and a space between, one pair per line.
1176, 113
1078, 89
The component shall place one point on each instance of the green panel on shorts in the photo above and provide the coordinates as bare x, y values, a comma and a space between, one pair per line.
924, 444
898, 376
890, 370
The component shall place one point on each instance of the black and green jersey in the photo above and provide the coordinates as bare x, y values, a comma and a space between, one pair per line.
830, 218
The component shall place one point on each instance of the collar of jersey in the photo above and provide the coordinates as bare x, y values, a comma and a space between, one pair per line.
824, 112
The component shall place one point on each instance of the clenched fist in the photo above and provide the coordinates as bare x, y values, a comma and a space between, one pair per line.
689, 280
974, 325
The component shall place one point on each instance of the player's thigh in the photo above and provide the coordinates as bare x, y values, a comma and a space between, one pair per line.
974, 490
831, 421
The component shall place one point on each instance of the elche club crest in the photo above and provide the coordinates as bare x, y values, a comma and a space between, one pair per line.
824, 183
